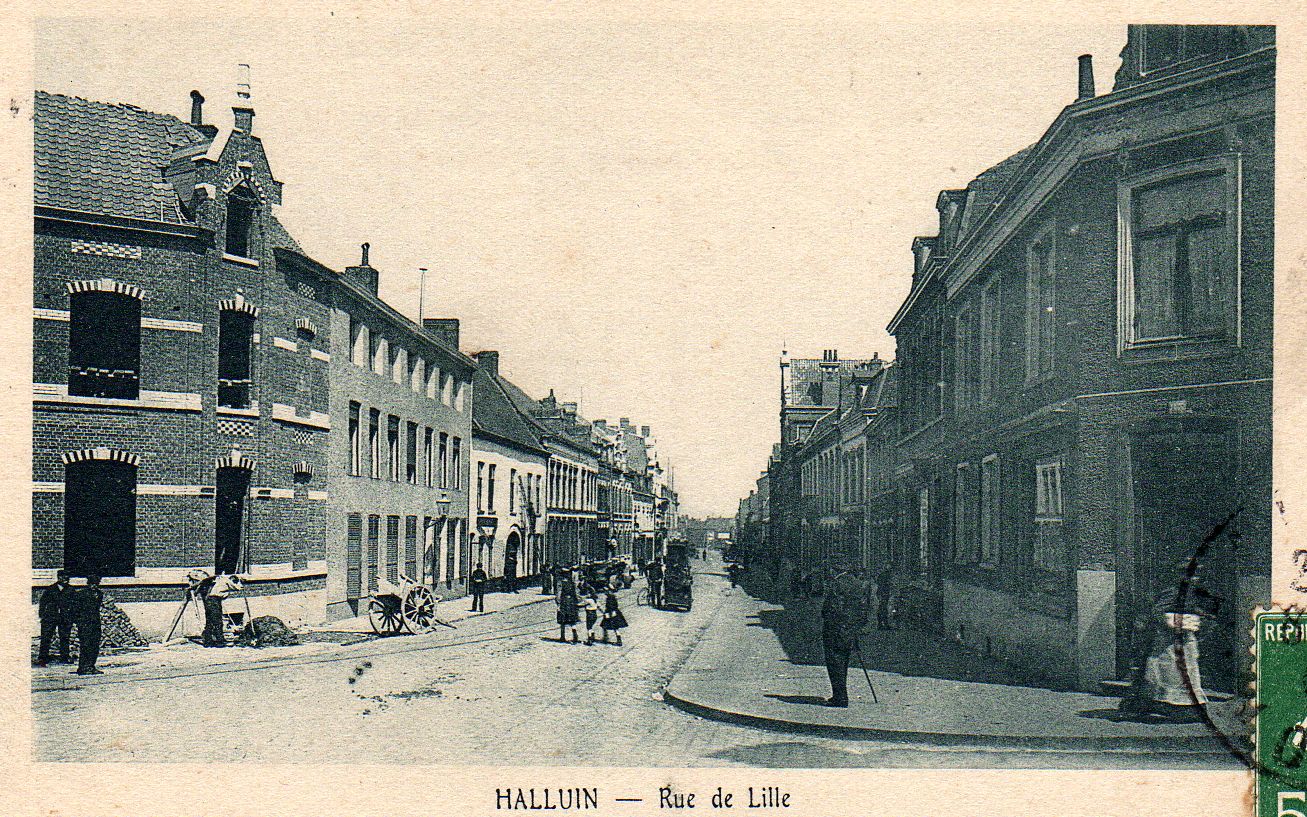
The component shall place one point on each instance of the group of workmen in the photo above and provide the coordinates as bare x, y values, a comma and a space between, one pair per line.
61, 606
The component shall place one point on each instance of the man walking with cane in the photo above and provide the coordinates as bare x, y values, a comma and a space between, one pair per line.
842, 615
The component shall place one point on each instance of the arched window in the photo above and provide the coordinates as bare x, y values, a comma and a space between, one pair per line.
100, 515
241, 209
104, 341
235, 342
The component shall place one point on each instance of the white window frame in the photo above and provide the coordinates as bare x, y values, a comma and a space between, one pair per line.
1049, 512
1231, 166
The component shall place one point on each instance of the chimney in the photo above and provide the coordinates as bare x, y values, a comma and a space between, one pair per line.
625, 422
489, 362
601, 424
363, 274
569, 411
243, 112
444, 330
197, 108
644, 431
1086, 78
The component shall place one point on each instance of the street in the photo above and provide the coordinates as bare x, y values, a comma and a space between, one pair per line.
499, 690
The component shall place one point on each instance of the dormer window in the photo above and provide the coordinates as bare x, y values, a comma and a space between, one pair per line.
241, 209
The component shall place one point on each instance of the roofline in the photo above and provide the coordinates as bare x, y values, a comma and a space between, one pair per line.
140, 225
1061, 129
481, 431
397, 319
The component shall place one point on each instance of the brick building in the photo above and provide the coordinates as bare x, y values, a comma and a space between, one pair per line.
180, 405
1086, 368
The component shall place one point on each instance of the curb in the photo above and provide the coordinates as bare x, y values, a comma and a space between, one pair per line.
1187, 745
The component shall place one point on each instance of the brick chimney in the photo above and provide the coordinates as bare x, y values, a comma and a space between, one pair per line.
1086, 88
197, 116
489, 362
645, 432
362, 273
444, 330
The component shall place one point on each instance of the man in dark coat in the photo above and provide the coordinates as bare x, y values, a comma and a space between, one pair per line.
510, 573
56, 613
477, 583
654, 575
884, 595
842, 615
89, 600
546, 579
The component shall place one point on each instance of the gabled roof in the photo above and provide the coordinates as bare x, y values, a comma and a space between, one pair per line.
109, 159
494, 413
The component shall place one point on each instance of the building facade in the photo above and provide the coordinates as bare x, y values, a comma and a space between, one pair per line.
180, 403
512, 465
1086, 369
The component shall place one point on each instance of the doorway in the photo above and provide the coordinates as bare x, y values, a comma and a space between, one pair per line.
233, 487
1182, 493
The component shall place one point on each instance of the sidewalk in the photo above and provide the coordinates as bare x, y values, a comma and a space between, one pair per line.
761, 664
184, 657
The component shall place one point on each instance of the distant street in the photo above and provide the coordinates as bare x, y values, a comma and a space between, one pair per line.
498, 690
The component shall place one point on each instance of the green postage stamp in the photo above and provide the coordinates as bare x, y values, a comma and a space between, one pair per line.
1280, 668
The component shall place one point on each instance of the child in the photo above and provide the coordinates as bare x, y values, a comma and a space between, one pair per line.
567, 605
613, 618
591, 616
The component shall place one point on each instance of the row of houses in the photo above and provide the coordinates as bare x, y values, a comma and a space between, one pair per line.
1078, 419
207, 395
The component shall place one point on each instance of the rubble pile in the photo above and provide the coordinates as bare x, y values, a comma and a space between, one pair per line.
116, 629
267, 631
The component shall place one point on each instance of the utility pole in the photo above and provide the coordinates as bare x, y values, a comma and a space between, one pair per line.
422, 293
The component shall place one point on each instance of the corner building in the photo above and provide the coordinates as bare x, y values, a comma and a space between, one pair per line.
180, 408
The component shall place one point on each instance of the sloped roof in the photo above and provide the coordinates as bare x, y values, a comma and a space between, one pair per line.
109, 159
494, 412
983, 190
102, 158
808, 374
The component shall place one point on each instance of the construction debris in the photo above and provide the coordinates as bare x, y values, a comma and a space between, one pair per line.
116, 629
267, 631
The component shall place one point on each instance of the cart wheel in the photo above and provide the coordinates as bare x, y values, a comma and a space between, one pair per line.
419, 609
384, 617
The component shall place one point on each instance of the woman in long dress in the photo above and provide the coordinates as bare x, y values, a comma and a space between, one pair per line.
568, 613
614, 621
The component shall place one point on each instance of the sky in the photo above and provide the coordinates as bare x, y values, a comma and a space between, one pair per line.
638, 214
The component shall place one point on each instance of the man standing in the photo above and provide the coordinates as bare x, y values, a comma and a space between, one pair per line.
56, 613
215, 593
654, 574
89, 600
510, 572
884, 595
842, 617
477, 582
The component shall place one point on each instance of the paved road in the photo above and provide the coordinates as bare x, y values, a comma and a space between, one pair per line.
499, 690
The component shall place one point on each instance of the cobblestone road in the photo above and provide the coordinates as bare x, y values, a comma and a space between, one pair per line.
499, 690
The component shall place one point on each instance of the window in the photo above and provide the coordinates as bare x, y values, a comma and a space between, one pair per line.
374, 443
411, 547
1041, 331
235, 345
100, 517
490, 490
963, 519
353, 556
104, 345
392, 548
241, 209
411, 453
392, 447
512, 491
444, 460
990, 509
355, 465
428, 458
380, 354
358, 342
451, 550
991, 341
481, 486
1050, 546
374, 552
1180, 270
456, 464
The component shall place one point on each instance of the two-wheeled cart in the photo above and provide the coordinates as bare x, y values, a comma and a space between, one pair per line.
407, 606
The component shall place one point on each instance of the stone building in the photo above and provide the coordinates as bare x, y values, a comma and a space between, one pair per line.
510, 472
180, 400
1085, 354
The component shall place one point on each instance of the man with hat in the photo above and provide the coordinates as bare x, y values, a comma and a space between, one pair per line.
842, 615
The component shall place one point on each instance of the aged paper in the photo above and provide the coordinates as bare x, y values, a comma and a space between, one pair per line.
464, 409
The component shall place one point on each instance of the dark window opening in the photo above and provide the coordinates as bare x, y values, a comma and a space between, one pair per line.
241, 207
229, 520
104, 345
374, 552
235, 358
100, 518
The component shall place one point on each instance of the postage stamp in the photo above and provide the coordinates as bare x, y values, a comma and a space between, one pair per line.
1280, 668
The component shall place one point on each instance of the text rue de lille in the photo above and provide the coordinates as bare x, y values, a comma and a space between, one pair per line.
582, 798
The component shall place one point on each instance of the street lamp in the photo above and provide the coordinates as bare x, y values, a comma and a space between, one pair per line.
442, 513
